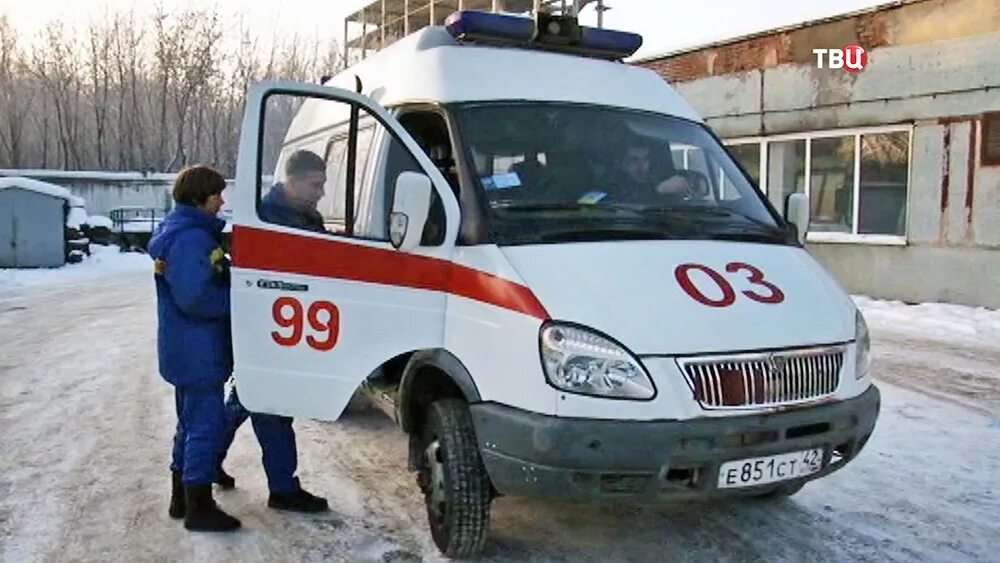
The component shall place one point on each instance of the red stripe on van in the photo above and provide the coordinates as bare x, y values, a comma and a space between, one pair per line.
260, 249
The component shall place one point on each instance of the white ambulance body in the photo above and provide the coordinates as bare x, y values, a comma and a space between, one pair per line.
537, 335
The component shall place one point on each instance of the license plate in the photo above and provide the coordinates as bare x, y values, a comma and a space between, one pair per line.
763, 470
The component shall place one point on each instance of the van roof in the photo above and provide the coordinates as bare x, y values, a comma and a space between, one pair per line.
431, 66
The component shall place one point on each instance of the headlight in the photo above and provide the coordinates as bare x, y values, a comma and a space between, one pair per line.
581, 361
864, 344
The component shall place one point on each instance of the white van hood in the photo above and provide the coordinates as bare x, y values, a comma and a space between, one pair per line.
630, 291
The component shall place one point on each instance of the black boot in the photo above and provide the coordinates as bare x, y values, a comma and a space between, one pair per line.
224, 480
177, 503
202, 512
298, 501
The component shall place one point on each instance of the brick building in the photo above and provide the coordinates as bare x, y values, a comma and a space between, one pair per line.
901, 160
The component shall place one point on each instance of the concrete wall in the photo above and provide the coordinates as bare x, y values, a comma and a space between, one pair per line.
931, 64
916, 274
901, 84
103, 191
103, 196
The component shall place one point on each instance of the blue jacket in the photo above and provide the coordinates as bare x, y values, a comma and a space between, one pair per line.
276, 207
192, 292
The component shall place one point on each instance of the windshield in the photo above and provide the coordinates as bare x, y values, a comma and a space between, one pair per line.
562, 172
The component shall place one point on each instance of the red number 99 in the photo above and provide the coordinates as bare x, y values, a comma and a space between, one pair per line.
324, 320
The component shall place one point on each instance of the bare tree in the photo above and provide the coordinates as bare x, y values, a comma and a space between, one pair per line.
130, 70
128, 96
15, 103
55, 63
99, 75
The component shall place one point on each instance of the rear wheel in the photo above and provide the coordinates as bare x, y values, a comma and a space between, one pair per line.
453, 479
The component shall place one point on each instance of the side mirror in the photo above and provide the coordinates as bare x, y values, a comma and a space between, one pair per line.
797, 213
410, 205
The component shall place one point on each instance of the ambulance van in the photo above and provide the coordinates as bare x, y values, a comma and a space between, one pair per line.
549, 271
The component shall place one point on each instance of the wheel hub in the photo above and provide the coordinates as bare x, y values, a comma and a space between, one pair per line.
436, 489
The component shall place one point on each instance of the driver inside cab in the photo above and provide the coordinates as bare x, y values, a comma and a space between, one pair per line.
638, 181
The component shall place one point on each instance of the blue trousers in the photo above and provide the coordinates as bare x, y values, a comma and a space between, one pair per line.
200, 419
277, 443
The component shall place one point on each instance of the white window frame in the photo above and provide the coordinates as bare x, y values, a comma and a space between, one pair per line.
761, 143
832, 237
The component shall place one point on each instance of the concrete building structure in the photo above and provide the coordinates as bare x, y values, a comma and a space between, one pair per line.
901, 160
104, 191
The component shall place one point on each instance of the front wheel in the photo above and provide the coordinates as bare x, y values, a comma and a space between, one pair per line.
454, 481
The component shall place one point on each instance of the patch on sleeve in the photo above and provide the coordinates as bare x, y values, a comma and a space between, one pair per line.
159, 267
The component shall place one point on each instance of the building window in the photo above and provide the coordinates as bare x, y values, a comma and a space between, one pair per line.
831, 185
885, 163
748, 154
786, 170
991, 139
857, 180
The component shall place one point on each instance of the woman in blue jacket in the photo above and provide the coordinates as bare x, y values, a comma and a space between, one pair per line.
194, 341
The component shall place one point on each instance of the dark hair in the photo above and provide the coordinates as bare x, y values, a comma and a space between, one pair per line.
304, 161
195, 184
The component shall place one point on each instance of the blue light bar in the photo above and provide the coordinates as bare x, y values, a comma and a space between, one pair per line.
475, 25
486, 27
608, 40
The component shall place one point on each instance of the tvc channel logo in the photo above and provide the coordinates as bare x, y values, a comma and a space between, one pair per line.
852, 58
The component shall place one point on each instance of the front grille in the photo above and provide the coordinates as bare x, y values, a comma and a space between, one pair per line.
764, 379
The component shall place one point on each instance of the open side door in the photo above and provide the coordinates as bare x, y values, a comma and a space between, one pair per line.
326, 286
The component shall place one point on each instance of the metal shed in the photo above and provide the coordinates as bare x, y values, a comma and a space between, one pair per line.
32, 223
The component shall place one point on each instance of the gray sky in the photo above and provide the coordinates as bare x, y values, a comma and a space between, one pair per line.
665, 24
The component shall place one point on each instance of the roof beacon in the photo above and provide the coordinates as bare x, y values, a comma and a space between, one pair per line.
561, 33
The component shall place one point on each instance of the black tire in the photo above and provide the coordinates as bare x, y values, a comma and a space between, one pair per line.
456, 488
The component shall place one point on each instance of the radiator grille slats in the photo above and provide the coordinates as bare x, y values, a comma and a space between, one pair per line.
760, 380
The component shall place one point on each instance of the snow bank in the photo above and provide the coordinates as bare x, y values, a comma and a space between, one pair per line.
937, 321
99, 221
76, 218
104, 262
36, 186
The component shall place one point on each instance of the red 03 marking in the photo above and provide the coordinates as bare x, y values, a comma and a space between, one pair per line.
771, 295
323, 318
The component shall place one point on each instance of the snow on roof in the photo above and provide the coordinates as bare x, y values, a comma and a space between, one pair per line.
36, 186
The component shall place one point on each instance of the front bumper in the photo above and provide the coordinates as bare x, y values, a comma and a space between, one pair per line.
535, 455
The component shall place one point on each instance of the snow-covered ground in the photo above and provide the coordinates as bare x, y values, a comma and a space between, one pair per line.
934, 321
86, 425
105, 262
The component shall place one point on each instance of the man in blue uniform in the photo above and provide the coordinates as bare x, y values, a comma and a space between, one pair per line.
193, 340
292, 204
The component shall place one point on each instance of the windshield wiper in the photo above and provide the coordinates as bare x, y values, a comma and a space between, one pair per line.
564, 206
756, 231
715, 211
610, 233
